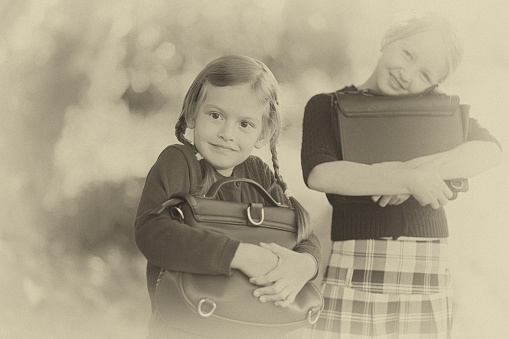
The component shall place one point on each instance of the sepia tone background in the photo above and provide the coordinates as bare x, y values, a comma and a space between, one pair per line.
90, 92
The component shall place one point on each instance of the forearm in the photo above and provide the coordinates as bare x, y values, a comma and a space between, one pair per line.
470, 159
172, 245
354, 179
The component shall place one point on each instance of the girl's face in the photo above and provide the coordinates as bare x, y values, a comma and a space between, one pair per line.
410, 65
228, 124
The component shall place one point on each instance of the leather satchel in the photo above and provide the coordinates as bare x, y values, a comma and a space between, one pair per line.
374, 129
224, 306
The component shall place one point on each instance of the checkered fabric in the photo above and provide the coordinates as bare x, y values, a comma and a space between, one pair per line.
386, 289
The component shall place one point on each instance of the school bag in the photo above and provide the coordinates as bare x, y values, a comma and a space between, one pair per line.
219, 306
374, 128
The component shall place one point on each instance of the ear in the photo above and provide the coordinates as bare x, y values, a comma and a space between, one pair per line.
191, 123
262, 141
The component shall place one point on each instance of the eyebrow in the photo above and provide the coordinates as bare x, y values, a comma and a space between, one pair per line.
214, 106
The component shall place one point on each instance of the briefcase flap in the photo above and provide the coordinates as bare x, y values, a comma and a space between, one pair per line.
376, 129
358, 105
276, 224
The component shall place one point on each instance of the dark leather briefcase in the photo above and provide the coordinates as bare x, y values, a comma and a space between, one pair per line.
374, 129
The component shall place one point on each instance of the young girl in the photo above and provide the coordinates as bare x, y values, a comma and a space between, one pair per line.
387, 275
232, 106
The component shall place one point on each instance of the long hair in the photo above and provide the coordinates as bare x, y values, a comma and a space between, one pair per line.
425, 22
234, 70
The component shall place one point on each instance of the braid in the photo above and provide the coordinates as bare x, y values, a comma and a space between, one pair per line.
303, 223
275, 164
180, 130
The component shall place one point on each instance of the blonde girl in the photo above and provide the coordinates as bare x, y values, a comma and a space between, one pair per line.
388, 274
232, 107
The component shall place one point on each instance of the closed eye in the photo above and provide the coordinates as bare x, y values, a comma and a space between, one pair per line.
426, 77
408, 54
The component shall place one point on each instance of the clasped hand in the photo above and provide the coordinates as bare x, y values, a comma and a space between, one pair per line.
283, 283
427, 187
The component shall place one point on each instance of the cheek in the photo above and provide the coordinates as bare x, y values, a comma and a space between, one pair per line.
418, 88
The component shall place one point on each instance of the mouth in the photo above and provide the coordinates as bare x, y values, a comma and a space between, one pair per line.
222, 147
396, 83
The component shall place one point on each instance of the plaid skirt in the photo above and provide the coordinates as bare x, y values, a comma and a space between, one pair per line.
386, 289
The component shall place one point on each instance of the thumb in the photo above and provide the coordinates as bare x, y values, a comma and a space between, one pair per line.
275, 248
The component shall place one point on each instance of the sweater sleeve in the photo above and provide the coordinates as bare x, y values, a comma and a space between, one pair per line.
167, 243
477, 132
319, 144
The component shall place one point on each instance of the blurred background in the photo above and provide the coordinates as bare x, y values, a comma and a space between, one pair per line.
90, 92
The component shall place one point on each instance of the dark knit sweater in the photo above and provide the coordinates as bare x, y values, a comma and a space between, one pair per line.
175, 246
360, 217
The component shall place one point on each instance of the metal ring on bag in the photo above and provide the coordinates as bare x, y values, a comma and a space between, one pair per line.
310, 314
457, 184
180, 213
209, 313
251, 219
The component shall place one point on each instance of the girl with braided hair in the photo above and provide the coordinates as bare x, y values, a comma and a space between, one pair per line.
231, 107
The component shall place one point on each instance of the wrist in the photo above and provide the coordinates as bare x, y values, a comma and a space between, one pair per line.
311, 265
409, 179
254, 260
241, 256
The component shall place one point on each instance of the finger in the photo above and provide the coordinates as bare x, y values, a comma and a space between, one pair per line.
287, 302
448, 193
399, 202
375, 198
277, 249
443, 201
384, 200
274, 297
264, 291
263, 280
435, 204
271, 293
394, 200
268, 278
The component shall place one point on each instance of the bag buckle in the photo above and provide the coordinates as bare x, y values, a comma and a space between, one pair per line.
250, 218
212, 307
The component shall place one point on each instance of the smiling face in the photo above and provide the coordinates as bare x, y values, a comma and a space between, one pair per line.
410, 65
228, 124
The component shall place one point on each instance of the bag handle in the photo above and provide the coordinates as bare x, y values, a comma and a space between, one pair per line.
214, 189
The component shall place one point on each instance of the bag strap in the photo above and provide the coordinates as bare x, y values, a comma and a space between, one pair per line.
214, 189
177, 198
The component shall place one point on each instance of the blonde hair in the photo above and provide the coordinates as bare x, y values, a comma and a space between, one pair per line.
234, 70
429, 22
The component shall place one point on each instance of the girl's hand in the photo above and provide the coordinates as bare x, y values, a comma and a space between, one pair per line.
283, 283
428, 188
253, 260
384, 200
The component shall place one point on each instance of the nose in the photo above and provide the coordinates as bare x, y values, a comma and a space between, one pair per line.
408, 73
226, 132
